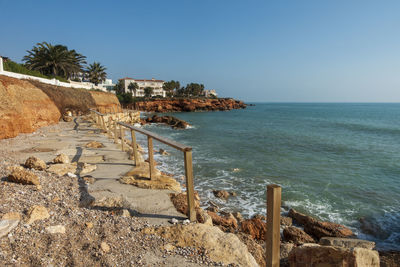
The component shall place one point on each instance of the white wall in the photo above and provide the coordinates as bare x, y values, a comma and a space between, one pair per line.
84, 85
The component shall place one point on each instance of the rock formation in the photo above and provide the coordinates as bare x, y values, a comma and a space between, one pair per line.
173, 105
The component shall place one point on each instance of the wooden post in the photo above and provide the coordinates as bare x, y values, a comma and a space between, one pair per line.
273, 224
121, 131
103, 124
115, 132
134, 146
189, 185
151, 156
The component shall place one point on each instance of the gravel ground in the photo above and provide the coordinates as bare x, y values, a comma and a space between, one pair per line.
93, 237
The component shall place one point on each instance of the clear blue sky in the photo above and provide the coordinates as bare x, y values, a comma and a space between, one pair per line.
300, 51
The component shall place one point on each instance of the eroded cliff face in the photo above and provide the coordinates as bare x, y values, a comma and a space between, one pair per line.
24, 108
105, 102
28, 105
171, 105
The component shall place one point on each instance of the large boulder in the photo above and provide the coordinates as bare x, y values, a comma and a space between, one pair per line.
320, 229
21, 176
316, 255
221, 247
61, 158
346, 242
296, 236
254, 227
227, 223
254, 248
35, 163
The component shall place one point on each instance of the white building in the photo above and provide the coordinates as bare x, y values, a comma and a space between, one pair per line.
108, 85
157, 86
210, 93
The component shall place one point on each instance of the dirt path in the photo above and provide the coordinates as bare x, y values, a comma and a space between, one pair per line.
94, 236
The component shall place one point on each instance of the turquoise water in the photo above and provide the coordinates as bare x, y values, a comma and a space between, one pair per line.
338, 162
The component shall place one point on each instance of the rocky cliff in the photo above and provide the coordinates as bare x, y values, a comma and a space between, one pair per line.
28, 105
172, 105
24, 108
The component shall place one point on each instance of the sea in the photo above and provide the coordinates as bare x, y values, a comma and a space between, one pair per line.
338, 162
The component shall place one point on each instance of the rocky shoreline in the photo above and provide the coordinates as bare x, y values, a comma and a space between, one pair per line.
188, 105
52, 214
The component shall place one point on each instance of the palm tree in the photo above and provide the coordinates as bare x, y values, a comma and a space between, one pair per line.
133, 88
54, 60
96, 73
148, 91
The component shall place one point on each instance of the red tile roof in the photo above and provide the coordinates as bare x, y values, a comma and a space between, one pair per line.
142, 80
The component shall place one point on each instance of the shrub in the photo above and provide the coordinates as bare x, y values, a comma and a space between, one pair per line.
20, 68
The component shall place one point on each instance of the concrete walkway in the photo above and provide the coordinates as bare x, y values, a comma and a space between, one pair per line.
112, 163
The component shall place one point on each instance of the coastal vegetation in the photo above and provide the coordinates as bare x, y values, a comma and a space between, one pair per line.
96, 73
54, 60
49, 61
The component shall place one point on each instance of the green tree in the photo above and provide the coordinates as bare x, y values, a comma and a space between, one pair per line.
194, 89
171, 87
96, 73
54, 60
148, 91
119, 87
133, 88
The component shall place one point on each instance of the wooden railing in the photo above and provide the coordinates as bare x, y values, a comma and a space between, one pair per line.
274, 192
187, 151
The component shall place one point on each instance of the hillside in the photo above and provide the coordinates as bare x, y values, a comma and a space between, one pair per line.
28, 105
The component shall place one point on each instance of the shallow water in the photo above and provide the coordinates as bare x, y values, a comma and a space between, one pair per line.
338, 162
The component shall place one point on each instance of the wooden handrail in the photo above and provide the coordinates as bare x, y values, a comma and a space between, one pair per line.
187, 151
161, 139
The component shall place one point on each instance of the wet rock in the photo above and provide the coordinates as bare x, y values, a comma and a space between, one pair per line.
213, 209
286, 221
254, 227
37, 213
222, 247
346, 242
316, 255
56, 229
320, 229
296, 236
21, 176
260, 217
94, 144
35, 163
163, 152
61, 158
169, 120
227, 223
238, 216
222, 194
